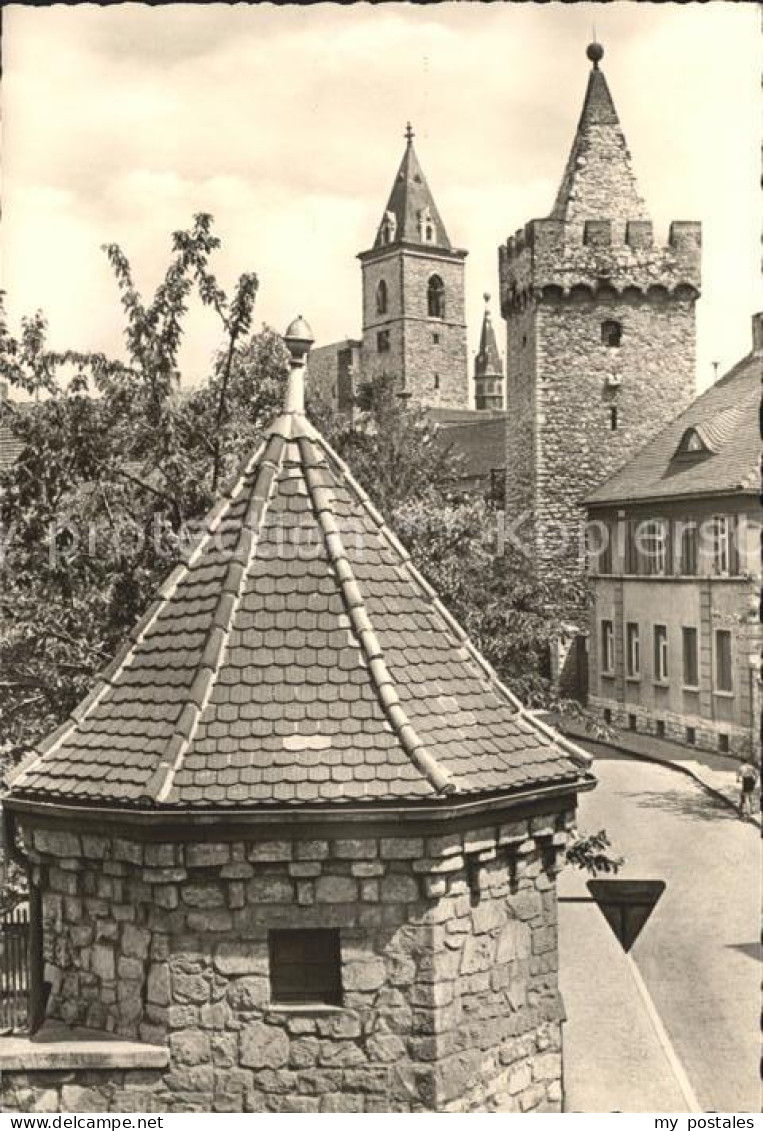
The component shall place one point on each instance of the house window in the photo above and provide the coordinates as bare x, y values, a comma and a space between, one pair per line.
611, 333
600, 546
691, 657
436, 297
723, 744
607, 647
660, 653
691, 736
724, 676
632, 651
436, 339
613, 419
382, 341
631, 551
382, 298
437, 381
653, 546
724, 549
305, 967
689, 542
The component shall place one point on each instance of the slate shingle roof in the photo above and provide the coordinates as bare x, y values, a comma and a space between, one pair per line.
297, 658
726, 419
481, 444
409, 197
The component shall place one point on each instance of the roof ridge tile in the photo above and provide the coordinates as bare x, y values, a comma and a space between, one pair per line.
161, 782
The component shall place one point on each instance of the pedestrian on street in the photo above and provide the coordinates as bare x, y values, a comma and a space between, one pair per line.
747, 777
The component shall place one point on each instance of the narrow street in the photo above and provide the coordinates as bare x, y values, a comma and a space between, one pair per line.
699, 953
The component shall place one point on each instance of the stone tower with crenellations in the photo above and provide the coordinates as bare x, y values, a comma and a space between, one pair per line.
414, 321
600, 337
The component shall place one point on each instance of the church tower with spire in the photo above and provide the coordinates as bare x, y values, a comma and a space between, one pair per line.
414, 321
488, 370
600, 337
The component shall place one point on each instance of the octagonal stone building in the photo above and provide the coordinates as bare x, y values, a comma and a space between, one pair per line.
299, 842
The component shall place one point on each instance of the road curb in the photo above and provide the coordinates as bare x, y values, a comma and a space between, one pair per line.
755, 819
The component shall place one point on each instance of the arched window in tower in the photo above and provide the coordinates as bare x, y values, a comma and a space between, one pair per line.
611, 333
381, 298
436, 297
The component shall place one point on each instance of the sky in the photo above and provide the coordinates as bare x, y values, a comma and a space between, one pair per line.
286, 123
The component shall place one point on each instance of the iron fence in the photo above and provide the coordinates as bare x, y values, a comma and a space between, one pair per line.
14, 969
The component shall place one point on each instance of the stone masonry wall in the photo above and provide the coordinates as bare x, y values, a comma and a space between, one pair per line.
559, 428
413, 352
448, 945
707, 730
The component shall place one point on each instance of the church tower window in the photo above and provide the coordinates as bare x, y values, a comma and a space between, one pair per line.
611, 333
436, 297
381, 298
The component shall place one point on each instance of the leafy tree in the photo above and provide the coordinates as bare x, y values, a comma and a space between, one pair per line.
117, 465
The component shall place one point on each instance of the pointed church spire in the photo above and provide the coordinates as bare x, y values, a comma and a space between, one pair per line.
488, 361
488, 370
599, 182
411, 215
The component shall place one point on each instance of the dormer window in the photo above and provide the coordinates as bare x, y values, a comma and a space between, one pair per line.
611, 333
436, 297
426, 226
691, 444
381, 298
388, 227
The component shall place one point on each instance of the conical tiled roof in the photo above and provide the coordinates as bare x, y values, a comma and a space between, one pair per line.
488, 360
296, 659
599, 181
411, 203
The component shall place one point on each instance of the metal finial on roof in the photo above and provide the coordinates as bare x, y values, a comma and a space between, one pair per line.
595, 53
486, 297
298, 340
409, 134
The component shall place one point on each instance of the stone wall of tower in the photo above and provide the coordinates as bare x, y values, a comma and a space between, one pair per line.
448, 968
521, 436
559, 284
429, 354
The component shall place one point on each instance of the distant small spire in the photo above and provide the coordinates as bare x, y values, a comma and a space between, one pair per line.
409, 134
486, 297
595, 53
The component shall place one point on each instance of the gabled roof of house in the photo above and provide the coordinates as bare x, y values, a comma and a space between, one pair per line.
296, 659
725, 418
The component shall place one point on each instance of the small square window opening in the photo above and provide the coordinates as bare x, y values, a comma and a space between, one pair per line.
305, 967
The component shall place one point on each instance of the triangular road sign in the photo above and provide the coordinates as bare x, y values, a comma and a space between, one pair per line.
626, 905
